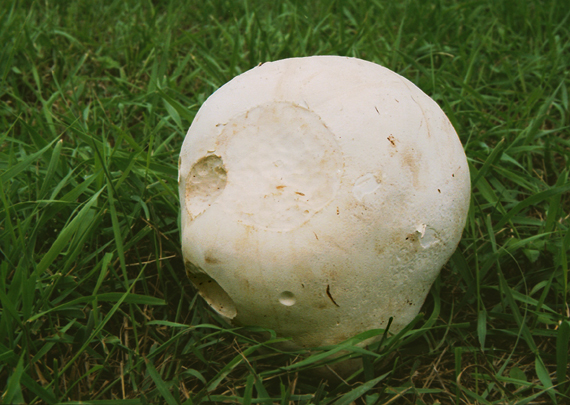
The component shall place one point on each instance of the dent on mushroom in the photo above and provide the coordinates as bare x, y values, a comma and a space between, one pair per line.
205, 182
287, 298
429, 238
293, 167
425, 234
211, 291
365, 185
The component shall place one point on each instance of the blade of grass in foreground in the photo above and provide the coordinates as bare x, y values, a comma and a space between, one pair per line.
356, 393
562, 339
100, 327
160, 384
13, 394
24, 163
65, 235
104, 297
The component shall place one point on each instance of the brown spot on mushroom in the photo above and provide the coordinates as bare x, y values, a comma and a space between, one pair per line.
380, 248
211, 260
412, 237
321, 305
299, 193
392, 140
456, 170
280, 187
411, 159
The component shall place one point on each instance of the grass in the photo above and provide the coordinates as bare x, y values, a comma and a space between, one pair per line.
95, 100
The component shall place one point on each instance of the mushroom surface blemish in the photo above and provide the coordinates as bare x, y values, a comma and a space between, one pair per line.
364, 185
211, 291
328, 291
273, 151
428, 237
205, 182
287, 298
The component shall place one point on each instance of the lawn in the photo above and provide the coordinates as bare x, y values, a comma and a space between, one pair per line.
95, 100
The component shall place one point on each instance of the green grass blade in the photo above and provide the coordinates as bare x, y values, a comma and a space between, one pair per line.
554, 205
105, 297
544, 377
47, 181
356, 393
13, 393
495, 154
65, 235
562, 339
160, 384
24, 163
248, 391
531, 201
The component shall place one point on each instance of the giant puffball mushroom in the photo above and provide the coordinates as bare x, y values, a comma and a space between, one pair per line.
320, 197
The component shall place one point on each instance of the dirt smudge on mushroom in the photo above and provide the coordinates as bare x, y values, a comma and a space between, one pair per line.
379, 248
210, 259
411, 159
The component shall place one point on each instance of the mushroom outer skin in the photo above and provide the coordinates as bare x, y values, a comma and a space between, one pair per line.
320, 197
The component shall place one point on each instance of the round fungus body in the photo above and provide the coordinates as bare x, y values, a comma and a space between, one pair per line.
320, 197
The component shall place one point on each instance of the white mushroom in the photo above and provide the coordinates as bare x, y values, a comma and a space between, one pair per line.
320, 197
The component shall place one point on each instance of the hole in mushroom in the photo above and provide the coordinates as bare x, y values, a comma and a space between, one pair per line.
429, 238
205, 182
426, 235
211, 291
287, 298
